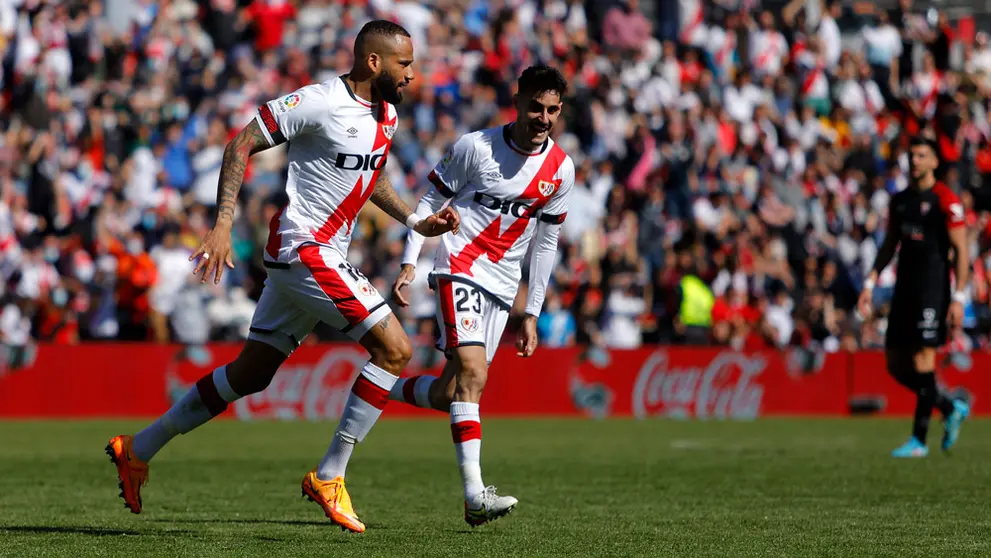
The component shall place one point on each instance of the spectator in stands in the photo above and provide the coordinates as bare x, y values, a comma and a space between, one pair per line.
556, 326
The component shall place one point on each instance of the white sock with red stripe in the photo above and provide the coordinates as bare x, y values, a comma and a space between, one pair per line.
205, 400
368, 397
466, 429
414, 390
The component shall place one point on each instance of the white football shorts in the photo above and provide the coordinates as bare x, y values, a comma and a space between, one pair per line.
468, 316
321, 287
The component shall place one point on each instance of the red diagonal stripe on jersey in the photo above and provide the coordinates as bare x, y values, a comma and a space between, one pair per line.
466, 430
333, 285
381, 140
495, 245
348, 210
345, 214
546, 174
489, 242
274, 236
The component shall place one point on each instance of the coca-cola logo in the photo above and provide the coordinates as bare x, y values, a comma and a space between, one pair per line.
306, 391
725, 388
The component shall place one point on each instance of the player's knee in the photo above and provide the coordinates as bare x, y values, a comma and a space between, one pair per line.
246, 380
254, 368
394, 355
471, 381
925, 360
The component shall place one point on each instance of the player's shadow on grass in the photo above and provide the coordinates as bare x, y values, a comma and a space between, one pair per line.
287, 522
92, 531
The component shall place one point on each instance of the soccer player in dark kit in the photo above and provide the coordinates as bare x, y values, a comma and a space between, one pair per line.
925, 221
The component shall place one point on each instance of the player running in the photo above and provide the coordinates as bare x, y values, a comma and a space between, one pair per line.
339, 132
509, 185
924, 222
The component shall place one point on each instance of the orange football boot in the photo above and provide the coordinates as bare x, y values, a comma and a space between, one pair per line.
132, 473
333, 497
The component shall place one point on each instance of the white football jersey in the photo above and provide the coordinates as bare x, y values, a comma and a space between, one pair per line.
501, 192
338, 144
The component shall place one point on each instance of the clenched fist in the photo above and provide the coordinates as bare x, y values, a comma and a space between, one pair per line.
447, 219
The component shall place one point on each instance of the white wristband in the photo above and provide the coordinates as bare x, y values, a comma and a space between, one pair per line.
412, 220
869, 284
960, 297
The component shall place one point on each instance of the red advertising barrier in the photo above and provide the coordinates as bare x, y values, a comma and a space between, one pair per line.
135, 380
705, 383
964, 374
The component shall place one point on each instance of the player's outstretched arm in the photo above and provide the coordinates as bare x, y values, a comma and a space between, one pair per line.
385, 196
215, 251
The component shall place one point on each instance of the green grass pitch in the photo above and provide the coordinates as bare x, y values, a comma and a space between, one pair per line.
612, 488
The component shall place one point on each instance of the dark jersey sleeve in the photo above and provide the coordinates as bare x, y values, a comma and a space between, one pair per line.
894, 220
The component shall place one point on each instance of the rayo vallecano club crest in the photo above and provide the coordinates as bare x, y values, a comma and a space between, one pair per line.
546, 187
389, 130
469, 324
367, 289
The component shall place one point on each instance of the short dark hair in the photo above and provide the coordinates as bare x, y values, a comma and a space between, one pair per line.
378, 28
920, 139
541, 79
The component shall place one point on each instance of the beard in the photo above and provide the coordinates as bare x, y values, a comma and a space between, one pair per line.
388, 89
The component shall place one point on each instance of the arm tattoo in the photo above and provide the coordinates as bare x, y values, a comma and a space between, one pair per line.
246, 143
388, 200
384, 324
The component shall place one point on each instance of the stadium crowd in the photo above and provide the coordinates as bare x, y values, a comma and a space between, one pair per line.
733, 163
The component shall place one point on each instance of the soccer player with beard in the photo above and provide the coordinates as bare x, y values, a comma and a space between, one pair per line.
511, 187
339, 133
925, 221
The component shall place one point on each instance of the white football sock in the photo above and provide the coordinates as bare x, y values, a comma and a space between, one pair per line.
205, 400
335, 461
414, 390
368, 397
466, 430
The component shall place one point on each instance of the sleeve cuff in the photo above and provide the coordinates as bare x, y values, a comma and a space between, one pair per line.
269, 126
261, 126
553, 219
438, 183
